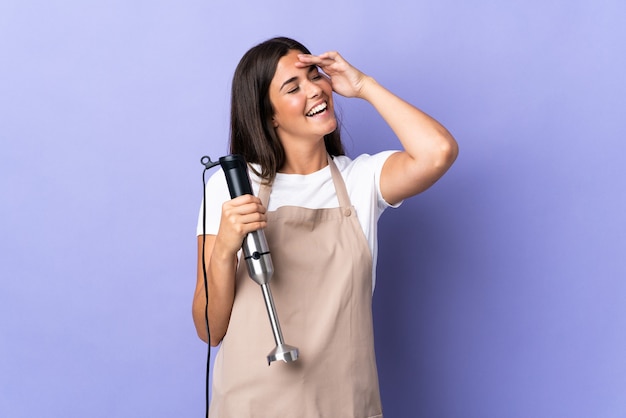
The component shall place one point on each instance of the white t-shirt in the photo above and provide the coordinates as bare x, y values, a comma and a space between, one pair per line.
314, 191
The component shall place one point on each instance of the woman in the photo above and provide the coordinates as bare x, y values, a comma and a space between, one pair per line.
319, 210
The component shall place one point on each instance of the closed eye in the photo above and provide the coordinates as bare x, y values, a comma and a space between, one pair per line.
315, 73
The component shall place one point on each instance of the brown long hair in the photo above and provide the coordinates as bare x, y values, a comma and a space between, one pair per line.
252, 133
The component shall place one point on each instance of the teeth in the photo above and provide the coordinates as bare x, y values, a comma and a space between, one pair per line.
317, 109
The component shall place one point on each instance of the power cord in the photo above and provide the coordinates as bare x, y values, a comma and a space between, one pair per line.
208, 164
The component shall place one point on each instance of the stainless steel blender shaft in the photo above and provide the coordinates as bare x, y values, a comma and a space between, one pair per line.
282, 351
260, 268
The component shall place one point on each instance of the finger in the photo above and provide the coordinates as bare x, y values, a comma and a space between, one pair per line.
247, 228
245, 202
245, 198
234, 212
306, 60
240, 224
331, 55
252, 219
325, 59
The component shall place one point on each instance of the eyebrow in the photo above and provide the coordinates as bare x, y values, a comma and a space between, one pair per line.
292, 79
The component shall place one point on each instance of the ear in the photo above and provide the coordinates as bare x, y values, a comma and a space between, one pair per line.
274, 122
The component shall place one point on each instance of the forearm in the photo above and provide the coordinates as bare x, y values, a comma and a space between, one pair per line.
240, 216
220, 271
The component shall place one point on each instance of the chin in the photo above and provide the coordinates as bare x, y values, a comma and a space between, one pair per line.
332, 126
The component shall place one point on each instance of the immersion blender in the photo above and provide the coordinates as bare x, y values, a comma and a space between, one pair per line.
257, 255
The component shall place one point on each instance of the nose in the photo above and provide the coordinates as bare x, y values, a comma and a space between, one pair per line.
313, 90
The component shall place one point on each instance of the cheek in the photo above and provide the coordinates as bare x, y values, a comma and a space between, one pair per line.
291, 105
295, 100
285, 109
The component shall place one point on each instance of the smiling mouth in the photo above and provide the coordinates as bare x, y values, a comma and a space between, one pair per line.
318, 109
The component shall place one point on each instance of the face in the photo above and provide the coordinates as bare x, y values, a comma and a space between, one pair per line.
302, 101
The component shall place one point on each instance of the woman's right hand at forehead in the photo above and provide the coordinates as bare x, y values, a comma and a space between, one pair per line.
240, 216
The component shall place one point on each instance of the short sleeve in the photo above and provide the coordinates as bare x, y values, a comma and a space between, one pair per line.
216, 194
378, 161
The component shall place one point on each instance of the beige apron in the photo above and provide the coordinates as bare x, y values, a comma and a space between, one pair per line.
322, 289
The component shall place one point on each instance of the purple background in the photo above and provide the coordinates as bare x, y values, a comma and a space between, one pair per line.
501, 290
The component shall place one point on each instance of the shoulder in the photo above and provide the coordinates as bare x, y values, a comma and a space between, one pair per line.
362, 177
217, 189
217, 181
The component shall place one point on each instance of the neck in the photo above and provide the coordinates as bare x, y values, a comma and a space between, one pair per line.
305, 161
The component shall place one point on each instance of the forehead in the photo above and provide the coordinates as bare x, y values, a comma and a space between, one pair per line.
286, 68
288, 60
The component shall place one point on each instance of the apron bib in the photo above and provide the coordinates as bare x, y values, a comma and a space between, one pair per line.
322, 288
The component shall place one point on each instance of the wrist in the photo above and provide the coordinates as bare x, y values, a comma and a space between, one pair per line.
222, 253
368, 87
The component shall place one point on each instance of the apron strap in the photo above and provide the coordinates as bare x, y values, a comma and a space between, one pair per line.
340, 185
264, 194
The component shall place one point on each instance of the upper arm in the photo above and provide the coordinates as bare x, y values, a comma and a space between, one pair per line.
403, 176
